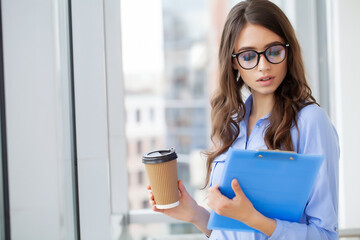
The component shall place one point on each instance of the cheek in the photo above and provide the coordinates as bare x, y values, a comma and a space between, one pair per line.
281, 70
285, 67
284, 70
246, 75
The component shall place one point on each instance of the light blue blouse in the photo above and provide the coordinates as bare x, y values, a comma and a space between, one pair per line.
317, 136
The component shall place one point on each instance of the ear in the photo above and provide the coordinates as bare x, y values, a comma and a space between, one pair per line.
235, 65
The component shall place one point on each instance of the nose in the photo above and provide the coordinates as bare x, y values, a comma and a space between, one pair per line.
263, 64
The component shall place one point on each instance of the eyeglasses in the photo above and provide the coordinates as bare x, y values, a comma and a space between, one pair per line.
249, 59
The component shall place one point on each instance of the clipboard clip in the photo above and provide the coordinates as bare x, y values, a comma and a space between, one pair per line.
291, 157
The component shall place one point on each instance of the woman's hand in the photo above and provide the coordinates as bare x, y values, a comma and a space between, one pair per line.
185, 211
239, 207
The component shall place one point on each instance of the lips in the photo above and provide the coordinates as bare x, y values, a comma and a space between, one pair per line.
265, 78
265, 81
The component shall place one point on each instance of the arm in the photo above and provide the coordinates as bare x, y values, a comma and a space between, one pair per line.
320, 217
317, 136
201, 220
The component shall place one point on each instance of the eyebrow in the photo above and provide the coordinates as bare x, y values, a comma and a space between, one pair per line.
253, 48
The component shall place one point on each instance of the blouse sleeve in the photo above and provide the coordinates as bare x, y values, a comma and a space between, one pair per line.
317, 136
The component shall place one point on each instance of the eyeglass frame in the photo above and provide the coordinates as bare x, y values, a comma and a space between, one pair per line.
236, 55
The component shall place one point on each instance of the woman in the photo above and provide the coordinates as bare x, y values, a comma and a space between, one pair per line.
259, 50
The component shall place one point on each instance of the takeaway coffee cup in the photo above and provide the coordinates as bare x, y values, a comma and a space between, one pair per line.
161, 168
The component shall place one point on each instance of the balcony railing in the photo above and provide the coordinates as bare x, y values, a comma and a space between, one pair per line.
145, 216
353, 233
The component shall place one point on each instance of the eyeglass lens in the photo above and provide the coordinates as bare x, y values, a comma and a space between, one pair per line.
274, 54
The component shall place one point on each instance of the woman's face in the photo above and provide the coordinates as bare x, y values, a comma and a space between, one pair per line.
266, 77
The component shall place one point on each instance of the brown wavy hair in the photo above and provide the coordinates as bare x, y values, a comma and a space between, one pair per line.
228, 108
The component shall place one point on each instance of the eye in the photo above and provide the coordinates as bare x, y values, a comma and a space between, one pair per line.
274, 51
247, 56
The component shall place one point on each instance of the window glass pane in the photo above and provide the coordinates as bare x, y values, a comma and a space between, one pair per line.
169, 65
166, 70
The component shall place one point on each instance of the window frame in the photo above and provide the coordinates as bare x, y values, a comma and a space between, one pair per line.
120, 211
4, 184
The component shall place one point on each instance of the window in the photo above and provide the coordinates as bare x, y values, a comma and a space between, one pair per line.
129, 178
139, 147
153, 143
145, 203
151, 115
128, 150
140, 177
169, 88
138, 116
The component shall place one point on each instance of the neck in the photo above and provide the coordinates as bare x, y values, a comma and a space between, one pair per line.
262, 105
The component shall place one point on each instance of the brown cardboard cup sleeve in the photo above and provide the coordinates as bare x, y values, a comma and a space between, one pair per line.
161, 168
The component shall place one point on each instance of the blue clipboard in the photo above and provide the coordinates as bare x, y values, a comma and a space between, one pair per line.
277, 183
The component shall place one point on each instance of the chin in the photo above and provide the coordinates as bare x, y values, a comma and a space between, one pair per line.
265, 92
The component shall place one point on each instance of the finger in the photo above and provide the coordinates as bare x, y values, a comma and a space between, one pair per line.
152, 202
215, 197
215, 192
148, 187
151, 196
181, 186
182, 189
214, 188
155, 209
236, 187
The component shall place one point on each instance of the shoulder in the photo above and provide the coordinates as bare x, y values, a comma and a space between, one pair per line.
313, 117
313, 114
316, 129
